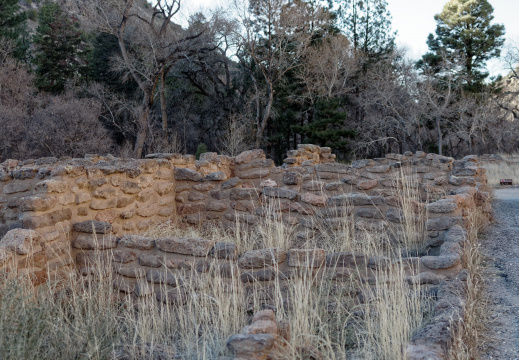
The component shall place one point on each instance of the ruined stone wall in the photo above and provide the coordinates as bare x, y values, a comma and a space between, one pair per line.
50, 195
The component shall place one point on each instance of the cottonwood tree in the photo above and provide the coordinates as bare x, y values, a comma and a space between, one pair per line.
151, 44
276, 36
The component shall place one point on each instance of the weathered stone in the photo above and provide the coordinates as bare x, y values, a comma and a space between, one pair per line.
244, 194
104, 193
164, 189
333, 168
167, 211
442, 206
355, 199
223, 250
186, 246
248, 156
231, 183
196, 196
153, 261
215, 176
306, 258
194, 208
250, 346
359, 164
123, 256
314, 185
292, 178
346, 259
36, 203
82, 211
16, 187
20, 241
125, 201
395, 215
255, 259
107, 216
187, 174
440, 262
262, 275
366, 184
5, 256
50, 219
254, 173
379, 169
164, 277
217, 206
148, 210
280, 193
372, 213
93, 242
98, 204
51, 186
131, 272
130, 187
93, 227
442, 223
315, 200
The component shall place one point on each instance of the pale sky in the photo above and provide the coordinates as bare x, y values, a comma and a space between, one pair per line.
414, 20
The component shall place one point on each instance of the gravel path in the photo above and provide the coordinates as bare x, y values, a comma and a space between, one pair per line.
501, 248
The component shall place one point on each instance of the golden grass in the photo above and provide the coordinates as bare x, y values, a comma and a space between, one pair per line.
84, 317
502, 170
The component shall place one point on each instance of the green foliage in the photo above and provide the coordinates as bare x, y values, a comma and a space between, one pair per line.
13, 27
32, 14
202, 148
104, 47
367, 24
328, 126
464, 32
59, 56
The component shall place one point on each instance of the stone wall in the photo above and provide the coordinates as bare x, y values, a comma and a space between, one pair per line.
75, 214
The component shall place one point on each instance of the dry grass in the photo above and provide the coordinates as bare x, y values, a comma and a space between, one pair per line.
85, 318
508, 169
469, 338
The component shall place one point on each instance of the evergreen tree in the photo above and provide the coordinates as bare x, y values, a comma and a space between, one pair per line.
59, 57
328, 127
464, 32
13, 26
367, 24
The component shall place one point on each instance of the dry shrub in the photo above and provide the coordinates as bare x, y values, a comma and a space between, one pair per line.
38, 125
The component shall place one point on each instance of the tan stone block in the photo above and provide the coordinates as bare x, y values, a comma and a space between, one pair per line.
35, 222
125, 201
167, 211
51, 186
36, 203
104, 193
82, 211
130, 187
16, 187
165, 188
148, 210
306, 258
107, 215
82, 198
67, 199
98, 204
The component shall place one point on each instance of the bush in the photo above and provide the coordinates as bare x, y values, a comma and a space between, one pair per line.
38, 125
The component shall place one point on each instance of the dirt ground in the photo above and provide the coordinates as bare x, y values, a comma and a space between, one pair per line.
500, 246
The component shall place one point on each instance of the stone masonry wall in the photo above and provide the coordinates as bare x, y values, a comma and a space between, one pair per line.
74, 214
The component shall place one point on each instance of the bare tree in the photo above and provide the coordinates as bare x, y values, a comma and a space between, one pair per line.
276, 36
150, 43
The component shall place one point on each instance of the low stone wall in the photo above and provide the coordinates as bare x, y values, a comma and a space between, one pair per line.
61, 215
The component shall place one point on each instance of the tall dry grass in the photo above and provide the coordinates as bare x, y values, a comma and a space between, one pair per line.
369, 314
502, 170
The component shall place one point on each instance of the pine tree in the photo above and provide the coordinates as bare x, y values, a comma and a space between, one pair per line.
59, 57
328, 127
464, 33
367, 24
13, 26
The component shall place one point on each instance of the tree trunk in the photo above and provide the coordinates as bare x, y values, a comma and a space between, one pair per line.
142, 128
440, 137
163, 108
265, 118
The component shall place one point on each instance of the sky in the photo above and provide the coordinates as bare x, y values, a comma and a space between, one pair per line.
414, 21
